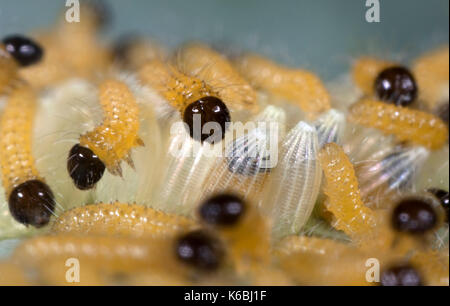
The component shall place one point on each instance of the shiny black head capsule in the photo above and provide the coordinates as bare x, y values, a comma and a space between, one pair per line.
24, 50
32, 203
414, 216
223, 210
200, 250
207, 110
85, 168
401, 275
396, 85
442, 196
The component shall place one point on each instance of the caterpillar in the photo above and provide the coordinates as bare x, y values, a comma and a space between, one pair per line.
200, 61
31, 202
406, 124
301, 87
120, 219
109, 143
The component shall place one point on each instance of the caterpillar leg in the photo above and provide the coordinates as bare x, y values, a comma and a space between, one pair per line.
120, 219
299, 86
410, 125
200, 61
31, 202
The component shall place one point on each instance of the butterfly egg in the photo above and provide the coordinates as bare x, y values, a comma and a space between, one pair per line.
433, 265
187, 163
365, 71
250, 157
31, 202
293, 186
243, 229
363, 144
431, 71
109, 143
395, 173
298, 86
410, 125
344, 198
202, 62
120, 219
105, 253
330, 127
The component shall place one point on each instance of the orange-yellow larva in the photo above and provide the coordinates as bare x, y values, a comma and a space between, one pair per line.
113, 140
30, 200
406, 124
344, 199
8, 69
120, 219
105, 253
432, 74
365, 71
200, 61
177, 88
433, 265
298, 86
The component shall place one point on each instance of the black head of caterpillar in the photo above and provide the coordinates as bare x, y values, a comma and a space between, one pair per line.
84, 167
24, 50
210, 109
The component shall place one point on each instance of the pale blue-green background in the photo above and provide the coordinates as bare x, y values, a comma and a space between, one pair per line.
323, 35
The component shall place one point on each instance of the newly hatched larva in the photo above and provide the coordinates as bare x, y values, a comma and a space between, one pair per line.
366, 70
200, 61
433, 265
383, 178
432, 72
298, 86
16, 52
243, 229
30, 200
120, 219
344, 199
64, 58
406, 124
294, 184
250, 158
197, 102
109, 143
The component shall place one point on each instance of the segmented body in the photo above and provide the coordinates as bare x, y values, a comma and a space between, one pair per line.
299, 86
344, 199
432, 73
406, 124
16, 127
179, 89
200, 61
366, 70
113, 140
120, 219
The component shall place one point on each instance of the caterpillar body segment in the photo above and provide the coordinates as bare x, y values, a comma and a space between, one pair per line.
301, 87
432, 74
433, 265
365, 71
16, 158
200, 61
120, 219
344, 199
406, 124
177, 88
114, 139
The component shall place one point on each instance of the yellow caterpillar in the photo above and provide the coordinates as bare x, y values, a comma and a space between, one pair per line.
30, 199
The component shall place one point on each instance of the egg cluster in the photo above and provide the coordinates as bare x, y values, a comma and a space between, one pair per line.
326, 177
